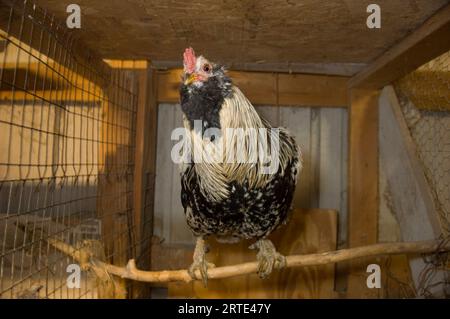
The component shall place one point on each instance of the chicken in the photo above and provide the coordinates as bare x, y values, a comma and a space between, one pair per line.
246, 192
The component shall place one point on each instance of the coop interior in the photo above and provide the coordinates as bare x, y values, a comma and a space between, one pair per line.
86, 118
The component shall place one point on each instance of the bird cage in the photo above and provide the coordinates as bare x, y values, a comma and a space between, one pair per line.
68, 125
91, 199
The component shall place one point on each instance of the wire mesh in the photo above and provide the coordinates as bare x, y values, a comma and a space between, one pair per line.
66, 154
425, 100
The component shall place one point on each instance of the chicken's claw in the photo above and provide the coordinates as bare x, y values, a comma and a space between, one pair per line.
200, 263
268, 257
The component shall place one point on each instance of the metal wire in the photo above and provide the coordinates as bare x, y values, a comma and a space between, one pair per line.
425, 99
67, 127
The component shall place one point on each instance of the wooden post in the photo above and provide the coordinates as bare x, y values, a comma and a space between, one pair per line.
145, 165
363, 185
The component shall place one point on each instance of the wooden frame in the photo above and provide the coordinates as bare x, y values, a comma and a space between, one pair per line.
271, 88
362, 183
424, 44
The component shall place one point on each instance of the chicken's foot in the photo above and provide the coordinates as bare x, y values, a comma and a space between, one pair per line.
268, 257
200, 262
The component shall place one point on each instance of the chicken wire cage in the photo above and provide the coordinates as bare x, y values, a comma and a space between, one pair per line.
425, 101
425, 105
67, 124
70, 140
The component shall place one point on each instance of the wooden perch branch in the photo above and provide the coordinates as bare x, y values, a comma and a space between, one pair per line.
132, 273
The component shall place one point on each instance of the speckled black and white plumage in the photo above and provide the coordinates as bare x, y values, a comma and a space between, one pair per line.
250, 213
249, 209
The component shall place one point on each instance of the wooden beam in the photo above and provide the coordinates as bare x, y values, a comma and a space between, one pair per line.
271, 88
142, 121
144, 170
312, 90
362, 185
340, 69
127, 64
424, 44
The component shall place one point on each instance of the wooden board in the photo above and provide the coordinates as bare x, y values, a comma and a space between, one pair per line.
308, 231
271, 88
340, 69
362, 186
234, 31
410, 196
424, 44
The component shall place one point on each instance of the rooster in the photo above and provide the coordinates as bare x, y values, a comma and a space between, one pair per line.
232, 200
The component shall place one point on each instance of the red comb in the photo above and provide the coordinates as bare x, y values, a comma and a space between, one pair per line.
189, 60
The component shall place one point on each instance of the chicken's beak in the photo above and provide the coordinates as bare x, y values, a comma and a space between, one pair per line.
191, 78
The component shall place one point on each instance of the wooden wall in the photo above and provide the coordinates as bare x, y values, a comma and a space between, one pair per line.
322, 135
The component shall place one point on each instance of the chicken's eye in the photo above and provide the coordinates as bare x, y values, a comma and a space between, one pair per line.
206, 67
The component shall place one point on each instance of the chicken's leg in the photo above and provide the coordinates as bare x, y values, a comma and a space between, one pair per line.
200, 262
268, 257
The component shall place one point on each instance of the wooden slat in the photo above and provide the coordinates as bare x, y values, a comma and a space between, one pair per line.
312, 90
331, 184
128, 64
259, 88
422, 45
179, 231
144, 173
164, 164
271, 88
270, 113
362, 184
298, 122
308, 231
339, 69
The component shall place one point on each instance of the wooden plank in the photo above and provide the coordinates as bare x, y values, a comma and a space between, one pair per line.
179, 231
270, 113
362, 185
410, 197
128, 64
258, 87
144, 174
298, 122
271, 89
164, 165
312, 90
308, 231
340, 69
428, 41
332, 165
314, 189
